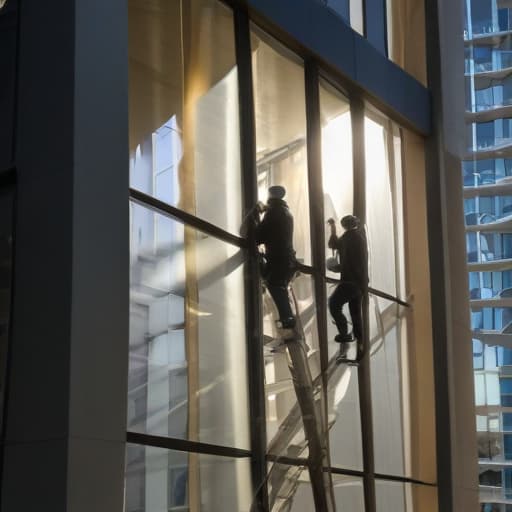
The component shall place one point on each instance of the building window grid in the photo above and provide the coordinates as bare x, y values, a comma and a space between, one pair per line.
209, 229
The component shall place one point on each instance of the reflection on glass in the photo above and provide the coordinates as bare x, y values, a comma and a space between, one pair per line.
172, 481
187, 375
289, 488
349, 493
390, 388
383, 213
344, 417
343, 405
337, 171
184, 135
280, 103
282, 406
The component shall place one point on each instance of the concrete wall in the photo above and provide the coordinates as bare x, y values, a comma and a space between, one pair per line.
457, 454
66, 413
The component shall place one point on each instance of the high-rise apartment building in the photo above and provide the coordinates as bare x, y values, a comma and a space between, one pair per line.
141, 367
487, 174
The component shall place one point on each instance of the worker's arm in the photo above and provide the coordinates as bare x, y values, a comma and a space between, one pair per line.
262, 229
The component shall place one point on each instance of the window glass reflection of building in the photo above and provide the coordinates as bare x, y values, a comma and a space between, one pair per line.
225, 481
187, 375
162, 343
188, 366
184, 125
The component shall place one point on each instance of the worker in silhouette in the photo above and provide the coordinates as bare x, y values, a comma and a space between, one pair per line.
352, 253
275, 231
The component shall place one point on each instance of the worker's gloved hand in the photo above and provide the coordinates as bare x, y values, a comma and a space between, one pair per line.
260, 207
330, 221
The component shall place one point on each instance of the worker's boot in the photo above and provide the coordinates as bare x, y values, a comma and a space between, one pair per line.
342, 354
343, 338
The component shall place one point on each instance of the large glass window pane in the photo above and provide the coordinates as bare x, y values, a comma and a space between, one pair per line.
291, 368
348, 492
405, 497
390, 388
187, 375
337, 169
343, 404
184, 134
289, 488
382, 209
280, 108
344, 417
159, 480
391, 496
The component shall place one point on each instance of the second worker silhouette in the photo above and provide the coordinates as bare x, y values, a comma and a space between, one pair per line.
352, 254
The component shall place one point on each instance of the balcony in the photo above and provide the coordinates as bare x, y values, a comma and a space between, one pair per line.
486, 79
490, 266
502, 337
485, 223
503, 299
490, 67
501, 187
487, 35
492, 494
500, 462
500, 147
485, 410
492, 302
482, 113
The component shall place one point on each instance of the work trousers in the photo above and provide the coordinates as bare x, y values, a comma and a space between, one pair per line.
279, 294
350, 292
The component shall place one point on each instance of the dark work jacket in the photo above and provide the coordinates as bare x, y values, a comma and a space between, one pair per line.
276, 232
353, 255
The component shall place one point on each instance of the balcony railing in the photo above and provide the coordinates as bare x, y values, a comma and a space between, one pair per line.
485, 28
491, 493
503, 61
490, 105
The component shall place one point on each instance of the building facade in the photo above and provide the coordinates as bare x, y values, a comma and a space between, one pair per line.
486, 171
139, 345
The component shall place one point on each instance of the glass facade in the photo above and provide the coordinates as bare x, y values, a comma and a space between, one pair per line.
200, 359
487, 208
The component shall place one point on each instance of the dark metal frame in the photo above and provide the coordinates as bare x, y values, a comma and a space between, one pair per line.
253, 299
8, 180
257, 453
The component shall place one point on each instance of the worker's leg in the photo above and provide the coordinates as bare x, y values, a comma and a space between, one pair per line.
338, 298
279, 294
356, 314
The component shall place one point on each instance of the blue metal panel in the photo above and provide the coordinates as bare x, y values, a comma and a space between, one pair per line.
375, 23
324, 33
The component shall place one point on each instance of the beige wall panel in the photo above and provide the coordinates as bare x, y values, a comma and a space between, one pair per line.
423, 459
